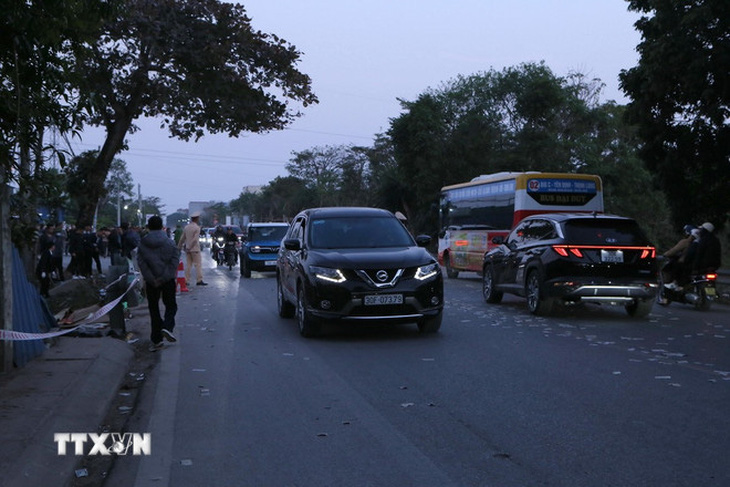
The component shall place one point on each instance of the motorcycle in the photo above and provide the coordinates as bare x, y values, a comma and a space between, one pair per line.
218, 250
231, 254
700, 291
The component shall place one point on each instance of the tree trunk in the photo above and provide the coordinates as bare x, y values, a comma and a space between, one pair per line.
96, 177
6, 279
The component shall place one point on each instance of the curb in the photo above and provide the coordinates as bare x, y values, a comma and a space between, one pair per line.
84, 406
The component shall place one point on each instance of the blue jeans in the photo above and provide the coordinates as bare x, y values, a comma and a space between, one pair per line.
167, 291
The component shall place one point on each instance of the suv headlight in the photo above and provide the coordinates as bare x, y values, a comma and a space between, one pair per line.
327, 274
255, 249
427, 271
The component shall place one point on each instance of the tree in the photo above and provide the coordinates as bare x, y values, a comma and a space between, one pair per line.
36, 94
197, 64
680, 102
284, 197
337, 175
522, 118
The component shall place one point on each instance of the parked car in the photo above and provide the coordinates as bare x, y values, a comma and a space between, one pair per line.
572, 258
260, 247
356, 265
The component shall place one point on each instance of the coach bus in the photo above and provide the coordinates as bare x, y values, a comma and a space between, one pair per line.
471, 214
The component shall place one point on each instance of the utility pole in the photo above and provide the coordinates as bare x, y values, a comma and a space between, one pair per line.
141, 215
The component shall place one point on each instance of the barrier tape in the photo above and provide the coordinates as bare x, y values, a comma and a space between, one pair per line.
9, 335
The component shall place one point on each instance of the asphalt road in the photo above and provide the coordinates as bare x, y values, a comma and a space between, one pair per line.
587, 397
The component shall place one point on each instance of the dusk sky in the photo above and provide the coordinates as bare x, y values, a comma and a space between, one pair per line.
362, 57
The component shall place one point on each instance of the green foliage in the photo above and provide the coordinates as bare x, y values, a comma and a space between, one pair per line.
519, 119
680, 102
35, 82
197, 64
336, 175
280, 200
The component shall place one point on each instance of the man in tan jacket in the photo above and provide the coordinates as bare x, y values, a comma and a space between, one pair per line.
190, 244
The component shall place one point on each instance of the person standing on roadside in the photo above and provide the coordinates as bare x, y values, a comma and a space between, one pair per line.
45, 267
115, 246
59, 245
190, 243
177, 233
157, 257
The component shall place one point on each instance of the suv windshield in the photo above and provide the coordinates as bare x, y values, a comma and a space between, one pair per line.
604, 231
357, 232
258, 234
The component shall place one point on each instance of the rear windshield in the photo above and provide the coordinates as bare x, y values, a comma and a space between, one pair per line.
358, 232
604, 232
258, 234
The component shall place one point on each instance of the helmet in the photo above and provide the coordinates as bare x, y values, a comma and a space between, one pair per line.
688, 229
708, 226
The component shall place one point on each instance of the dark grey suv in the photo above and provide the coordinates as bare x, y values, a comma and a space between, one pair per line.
356, 265
573, 258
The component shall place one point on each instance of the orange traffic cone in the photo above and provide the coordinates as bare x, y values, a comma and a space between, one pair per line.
182, 286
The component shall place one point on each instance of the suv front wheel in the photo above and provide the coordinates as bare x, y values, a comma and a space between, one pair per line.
490, 294
308, 325
286, 309
537, 303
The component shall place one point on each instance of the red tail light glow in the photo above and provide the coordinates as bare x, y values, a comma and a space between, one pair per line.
566, 250
562, 251
711, 277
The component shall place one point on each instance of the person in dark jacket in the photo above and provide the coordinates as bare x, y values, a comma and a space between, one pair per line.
115, 246
158, 257
44, 268
709, 252
59, 244
76, 249
130, 240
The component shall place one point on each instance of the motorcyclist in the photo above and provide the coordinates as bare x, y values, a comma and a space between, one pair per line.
709, 253
231, 240
214, 246
676, 268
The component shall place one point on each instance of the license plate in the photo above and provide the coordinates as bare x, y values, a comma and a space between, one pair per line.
270, 263
612, 256
710, 291
383, 299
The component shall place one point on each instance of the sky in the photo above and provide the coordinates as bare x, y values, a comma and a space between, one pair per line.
362, 57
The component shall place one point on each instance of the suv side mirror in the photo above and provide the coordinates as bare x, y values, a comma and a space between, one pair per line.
423, 240
292, 244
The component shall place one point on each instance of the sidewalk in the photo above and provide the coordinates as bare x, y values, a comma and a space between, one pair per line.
70, 388
67, 389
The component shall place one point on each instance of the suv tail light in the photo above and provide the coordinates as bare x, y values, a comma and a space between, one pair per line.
711, 277
651, 251
567, 250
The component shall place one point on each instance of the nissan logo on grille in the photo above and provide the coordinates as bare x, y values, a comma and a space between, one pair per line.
382, 275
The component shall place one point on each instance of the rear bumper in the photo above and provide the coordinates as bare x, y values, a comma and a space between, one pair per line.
604, 292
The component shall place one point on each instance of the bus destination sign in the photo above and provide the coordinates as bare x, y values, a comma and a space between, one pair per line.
569, 192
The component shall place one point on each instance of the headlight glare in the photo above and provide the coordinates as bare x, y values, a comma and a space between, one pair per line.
427, 271
327, 274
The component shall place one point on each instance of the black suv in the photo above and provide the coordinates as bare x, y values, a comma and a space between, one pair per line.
573, 258
356, 264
